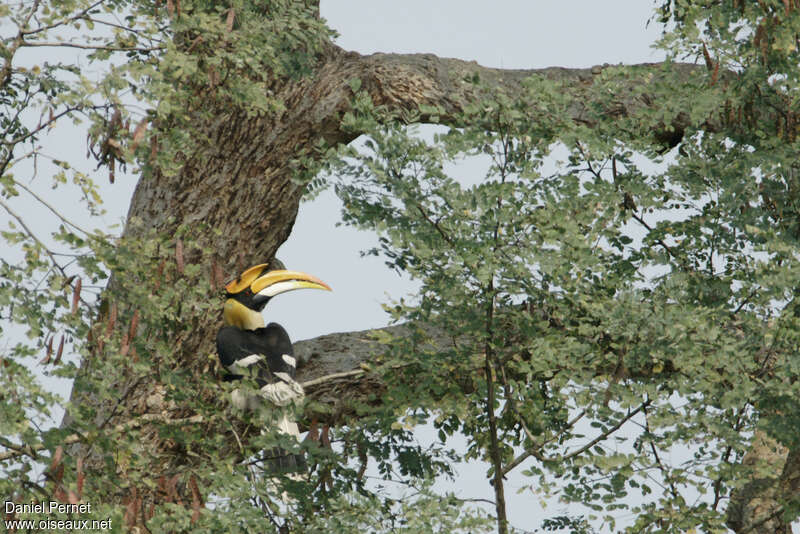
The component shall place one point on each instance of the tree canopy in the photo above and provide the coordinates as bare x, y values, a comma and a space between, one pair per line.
615, 291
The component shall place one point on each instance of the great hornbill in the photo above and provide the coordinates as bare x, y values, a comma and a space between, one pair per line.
247, 348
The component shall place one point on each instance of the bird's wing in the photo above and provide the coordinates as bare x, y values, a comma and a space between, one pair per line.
241, 357
274, 343
264, 354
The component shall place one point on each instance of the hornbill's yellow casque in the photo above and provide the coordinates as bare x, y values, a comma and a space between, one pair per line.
248, 348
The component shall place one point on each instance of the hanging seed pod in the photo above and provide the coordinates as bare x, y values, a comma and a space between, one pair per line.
217, 278
134, 325
48, 352
707, 58
56, 460
81, 477
138, 134
76, 296
153, 148
132, 508
229, 20
60, 351
197, 499
179, 255
112, 319
159, 274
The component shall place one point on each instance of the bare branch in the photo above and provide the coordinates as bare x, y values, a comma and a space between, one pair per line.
30, 233
50, 207
664, 471
65, 44
80, 15
607, 433
334, 376
47, 123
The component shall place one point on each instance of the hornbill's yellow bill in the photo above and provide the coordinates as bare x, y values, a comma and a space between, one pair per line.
254, 287
250, 292
275, 282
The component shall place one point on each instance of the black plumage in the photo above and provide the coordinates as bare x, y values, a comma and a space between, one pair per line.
272, 342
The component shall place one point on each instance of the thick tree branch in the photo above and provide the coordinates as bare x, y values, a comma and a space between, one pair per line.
409, 81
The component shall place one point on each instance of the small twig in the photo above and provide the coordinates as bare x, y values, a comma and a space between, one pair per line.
661, 242
520, 419
50, 207
50, 253
119, 26
252, 477
473, 499
31, 133
535, 451
80, 15
30, 233
607, 433
435, 224
740, 419
95, 47
119, 402
236, 435
570, 424
744, 302
31, 450
23, 450
333, 376
661, 466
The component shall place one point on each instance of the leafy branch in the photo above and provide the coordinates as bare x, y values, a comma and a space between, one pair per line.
148, 418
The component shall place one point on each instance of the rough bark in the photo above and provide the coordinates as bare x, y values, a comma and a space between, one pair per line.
240, 182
